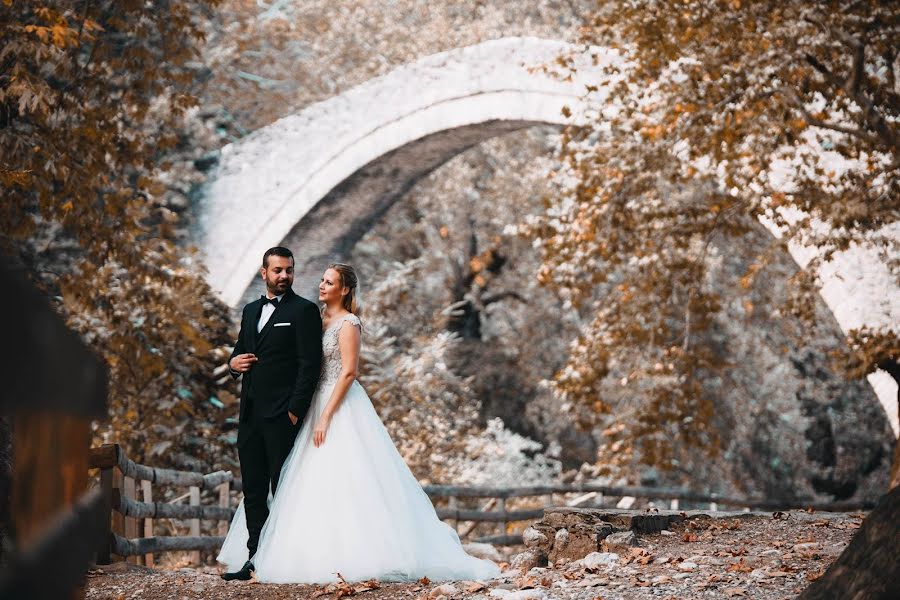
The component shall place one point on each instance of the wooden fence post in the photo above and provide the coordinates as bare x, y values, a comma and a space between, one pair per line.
224, 501
117, 518
195, 523
106, 458
147, 492
131, 524
104, 552
453, 504
503, 510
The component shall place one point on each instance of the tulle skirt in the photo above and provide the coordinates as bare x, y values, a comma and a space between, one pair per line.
352, 507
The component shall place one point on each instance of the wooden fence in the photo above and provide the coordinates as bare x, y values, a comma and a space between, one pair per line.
127, 491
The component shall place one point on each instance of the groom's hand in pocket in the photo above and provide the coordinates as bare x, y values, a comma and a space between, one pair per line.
242, 362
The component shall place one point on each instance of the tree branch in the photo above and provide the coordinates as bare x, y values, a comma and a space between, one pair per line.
502, 296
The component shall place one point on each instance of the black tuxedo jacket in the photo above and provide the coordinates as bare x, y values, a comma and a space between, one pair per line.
289, 357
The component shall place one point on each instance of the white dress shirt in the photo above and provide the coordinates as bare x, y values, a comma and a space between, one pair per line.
266, 313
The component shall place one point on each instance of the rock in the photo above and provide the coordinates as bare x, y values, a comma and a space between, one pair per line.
806, 547
595, 560
527, 595
499, 593
618, 520
687, 566
590, 582
683, 576
660, 579
561, 539
531, 558
447, 590
621, 541
666, 532
534, 538
486, 551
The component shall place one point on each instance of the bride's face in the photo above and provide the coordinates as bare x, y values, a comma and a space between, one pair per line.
330, 290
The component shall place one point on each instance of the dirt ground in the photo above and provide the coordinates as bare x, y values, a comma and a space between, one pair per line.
756, 555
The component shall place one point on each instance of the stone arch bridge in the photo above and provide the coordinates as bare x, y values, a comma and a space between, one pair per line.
317, 180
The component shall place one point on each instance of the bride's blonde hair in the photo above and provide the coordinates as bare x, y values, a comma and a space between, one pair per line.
351, 281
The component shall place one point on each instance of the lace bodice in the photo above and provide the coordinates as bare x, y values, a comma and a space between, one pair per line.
331, 351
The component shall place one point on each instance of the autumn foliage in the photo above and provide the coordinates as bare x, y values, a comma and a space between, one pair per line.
90, 97
721, 114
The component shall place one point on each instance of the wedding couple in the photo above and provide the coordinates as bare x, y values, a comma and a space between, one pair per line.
344, 500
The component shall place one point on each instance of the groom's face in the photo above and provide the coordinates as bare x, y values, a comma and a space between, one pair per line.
279, 274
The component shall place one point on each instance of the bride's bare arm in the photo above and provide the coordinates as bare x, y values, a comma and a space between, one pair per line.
349, 344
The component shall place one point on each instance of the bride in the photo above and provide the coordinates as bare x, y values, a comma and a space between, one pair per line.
346, 502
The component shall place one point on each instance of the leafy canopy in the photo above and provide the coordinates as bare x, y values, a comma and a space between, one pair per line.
724, 113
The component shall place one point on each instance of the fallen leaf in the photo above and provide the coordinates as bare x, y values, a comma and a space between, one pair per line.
740, 567
475, 586
365, 586
735, 591
777, 574
639, 581
424, 581
689, 537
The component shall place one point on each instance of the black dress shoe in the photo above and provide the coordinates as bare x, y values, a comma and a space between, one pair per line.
244, 574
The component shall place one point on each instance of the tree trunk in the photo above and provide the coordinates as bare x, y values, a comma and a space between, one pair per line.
869, 567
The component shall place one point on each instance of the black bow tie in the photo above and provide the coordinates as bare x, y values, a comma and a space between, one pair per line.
273, 301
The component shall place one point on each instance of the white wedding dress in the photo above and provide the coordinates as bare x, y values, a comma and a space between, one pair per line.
351, 506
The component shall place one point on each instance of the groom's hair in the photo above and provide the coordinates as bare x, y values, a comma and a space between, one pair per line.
277, 251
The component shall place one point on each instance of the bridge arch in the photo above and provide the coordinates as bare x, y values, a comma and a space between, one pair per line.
318, 179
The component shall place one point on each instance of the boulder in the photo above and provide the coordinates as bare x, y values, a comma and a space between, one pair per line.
596, 560
486, 551
621, 541
533, 557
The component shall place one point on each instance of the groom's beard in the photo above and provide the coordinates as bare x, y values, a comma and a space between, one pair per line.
279, 288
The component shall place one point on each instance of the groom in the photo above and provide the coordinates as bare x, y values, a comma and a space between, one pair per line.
279, 353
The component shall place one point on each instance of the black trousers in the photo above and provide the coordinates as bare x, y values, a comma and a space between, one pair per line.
263, 447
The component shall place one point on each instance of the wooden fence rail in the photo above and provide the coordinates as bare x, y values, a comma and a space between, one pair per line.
118, 485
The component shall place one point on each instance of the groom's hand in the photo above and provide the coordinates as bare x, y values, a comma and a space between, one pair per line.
292, 417
242, 362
